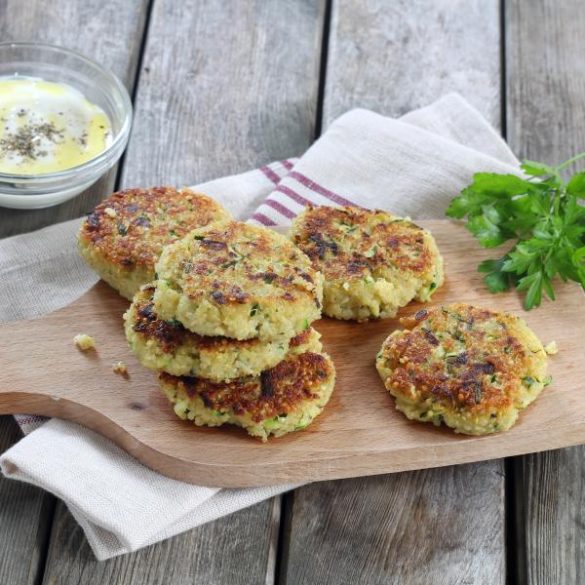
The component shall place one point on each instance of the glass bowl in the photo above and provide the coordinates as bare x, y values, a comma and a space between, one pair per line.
100, 87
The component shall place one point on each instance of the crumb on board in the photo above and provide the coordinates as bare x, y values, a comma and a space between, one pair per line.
120, 368
551, 348
84, 342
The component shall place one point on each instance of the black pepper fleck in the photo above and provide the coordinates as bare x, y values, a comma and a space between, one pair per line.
25, 140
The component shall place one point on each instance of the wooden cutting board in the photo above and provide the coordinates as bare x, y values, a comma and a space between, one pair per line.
359, 433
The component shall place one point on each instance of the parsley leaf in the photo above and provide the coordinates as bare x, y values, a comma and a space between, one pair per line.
541, 213
536, 169
576, 185
496, 279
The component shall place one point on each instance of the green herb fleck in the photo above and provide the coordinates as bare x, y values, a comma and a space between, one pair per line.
371, 252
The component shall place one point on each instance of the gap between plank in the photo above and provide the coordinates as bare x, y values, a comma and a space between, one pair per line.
281, 565
323, 67
136, 83
513, 516
503, 72
48, 507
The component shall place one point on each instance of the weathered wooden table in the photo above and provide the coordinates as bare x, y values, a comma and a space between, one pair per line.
223, 86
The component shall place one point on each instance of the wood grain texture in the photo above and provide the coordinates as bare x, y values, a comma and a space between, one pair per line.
392, 57
546, 121
359, 433
26, 513
224, 87
199, 556
380, 532
550, 517
545, 81
109, 32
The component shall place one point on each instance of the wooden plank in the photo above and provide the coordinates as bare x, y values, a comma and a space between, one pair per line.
25, 521
438, 526
549, 515
225, 551
546, 121
409, 529
359, 433
109, 32
544, 78
223, 87
392, 57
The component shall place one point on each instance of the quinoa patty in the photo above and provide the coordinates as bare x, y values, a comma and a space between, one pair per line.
283, 399
169, 347
470, 368
124, 235
373, 262
238, 280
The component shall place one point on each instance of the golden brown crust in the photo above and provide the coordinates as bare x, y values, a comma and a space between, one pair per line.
238, 280
249, 252
463, 357
300, 339
169, 347
130, 227
351, 242
169, 335
276, 392
373, 262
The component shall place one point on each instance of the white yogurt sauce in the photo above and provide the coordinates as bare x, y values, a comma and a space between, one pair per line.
47, 127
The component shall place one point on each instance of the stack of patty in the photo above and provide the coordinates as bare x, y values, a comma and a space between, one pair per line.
226, 321
227, 325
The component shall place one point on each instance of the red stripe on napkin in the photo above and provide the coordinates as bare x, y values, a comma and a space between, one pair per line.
293, 195
263, 219
315, 187
27, 420
270, 174
280, 208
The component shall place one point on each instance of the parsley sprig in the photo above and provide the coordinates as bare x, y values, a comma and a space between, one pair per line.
545, 216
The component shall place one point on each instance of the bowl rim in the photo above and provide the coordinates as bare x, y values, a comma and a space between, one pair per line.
121, 136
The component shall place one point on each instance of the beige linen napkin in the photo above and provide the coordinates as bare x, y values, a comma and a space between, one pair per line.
412, 166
